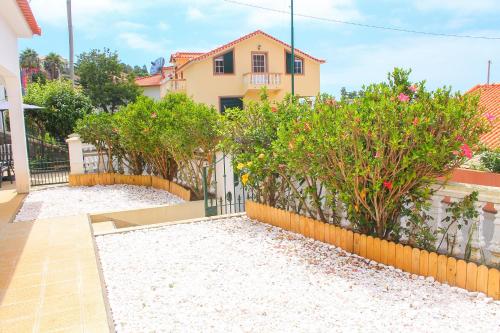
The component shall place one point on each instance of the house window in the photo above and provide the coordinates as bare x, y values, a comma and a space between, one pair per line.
224, 64
298, 66
258, 63
219, 65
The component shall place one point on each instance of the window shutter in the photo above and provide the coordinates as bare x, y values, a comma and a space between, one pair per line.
288, 63
228, 62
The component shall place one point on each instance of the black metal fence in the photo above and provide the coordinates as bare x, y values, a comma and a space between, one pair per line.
49, 172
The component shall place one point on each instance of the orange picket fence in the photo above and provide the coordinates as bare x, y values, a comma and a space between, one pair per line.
92, 179
454, 272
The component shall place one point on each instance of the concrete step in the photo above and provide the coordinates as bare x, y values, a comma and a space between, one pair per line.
103, 227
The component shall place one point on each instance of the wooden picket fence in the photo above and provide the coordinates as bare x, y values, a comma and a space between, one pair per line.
140, 180
454, 272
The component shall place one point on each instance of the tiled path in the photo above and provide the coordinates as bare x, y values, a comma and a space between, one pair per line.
49, 278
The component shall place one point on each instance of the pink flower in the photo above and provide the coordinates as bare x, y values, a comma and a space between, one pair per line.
460, 138
466, 151
388, 185
490, 117
274, 109
415, 121
377, 154
403, 98
455, 152
413, 88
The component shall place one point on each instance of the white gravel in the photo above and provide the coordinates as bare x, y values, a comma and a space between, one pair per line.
237, 275
66, 201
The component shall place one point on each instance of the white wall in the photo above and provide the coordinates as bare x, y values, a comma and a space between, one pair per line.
153, 92
12, 27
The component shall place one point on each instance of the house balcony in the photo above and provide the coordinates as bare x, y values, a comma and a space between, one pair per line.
176, 85
255, 81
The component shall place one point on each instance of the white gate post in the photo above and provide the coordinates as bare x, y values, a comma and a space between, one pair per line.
75, 149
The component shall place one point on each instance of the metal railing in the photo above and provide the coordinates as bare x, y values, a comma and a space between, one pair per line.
49, 172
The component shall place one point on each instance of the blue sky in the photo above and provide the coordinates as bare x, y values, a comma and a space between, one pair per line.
142, 30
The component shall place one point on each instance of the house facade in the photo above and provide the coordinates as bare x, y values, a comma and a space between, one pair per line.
16, 21
237, 70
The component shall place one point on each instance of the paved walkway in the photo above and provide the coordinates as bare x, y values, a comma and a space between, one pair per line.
49, 278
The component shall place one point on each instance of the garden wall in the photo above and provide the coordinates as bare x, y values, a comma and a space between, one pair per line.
442, 268
140, 180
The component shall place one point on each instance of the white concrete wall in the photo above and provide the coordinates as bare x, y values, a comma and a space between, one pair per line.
12, 27
153, 92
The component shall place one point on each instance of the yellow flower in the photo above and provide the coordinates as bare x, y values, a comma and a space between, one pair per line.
244, 178
240, 166
261, 156
249, 164
362, 194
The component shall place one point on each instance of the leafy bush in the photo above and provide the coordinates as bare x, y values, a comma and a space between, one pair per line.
62, 106
375, 155
98, 130
491, 160
385, 148
175, 137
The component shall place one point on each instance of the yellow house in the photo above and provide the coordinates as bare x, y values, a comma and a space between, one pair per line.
239, 69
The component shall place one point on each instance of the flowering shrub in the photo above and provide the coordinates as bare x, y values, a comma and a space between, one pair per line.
385, 148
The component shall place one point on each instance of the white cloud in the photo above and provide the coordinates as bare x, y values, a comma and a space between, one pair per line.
53, 12
163, 26
140, 42
440, 61
462, 6
128, 25
194, 14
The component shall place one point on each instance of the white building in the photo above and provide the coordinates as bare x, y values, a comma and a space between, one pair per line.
16, 21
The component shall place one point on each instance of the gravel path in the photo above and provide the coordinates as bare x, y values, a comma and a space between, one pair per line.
65, 201
237, 275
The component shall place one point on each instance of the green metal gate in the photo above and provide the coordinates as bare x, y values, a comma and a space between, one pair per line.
222, 188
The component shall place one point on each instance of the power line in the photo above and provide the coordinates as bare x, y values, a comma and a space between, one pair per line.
325, 19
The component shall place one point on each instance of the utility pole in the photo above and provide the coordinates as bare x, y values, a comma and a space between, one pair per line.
71, 51
488, 76
293, 54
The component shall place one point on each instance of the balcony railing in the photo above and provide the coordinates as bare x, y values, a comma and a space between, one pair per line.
176, 85
258, 80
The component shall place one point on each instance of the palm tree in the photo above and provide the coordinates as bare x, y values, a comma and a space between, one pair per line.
53, 64
29, 59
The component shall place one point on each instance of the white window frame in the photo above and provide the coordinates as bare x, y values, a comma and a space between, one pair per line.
299, 64
219, 65
261, 66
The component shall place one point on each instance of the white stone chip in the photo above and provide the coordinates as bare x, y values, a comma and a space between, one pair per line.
238, 275
67, 201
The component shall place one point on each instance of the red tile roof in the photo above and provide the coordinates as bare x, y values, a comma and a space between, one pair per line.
489, 99
153, 80
250, 35
185, 55
149, 81
28, 16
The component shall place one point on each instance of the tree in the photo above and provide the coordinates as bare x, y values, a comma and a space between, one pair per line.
62, 106
138, 71
53, 65
104, 79
29, 59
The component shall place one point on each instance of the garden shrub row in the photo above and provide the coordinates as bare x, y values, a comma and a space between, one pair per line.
374, 158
